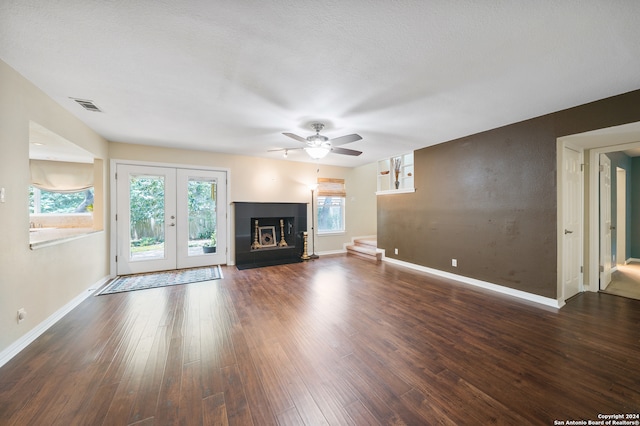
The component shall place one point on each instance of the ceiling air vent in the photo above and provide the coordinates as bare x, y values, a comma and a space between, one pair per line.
88, 105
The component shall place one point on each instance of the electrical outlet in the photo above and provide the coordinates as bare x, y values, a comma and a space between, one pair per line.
395, 251
22, 314
454, 263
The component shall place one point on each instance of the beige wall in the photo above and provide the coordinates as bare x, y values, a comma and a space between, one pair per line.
45, 280
265, 180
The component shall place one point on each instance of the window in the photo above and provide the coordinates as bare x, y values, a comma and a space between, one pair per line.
331, 201
330, 214
44, 202
64, 182
60, 187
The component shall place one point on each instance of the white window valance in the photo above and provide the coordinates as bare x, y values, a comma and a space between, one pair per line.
61, 176
328, 187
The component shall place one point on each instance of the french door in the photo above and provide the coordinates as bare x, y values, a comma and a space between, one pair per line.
166, 216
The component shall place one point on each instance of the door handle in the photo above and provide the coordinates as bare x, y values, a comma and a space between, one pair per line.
566, 231
172, 224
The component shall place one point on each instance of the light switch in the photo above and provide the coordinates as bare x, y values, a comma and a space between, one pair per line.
1, 195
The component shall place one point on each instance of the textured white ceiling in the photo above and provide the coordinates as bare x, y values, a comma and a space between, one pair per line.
231, 76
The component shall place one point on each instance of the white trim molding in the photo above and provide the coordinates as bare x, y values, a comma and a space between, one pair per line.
330, 252
24, 341
396, 191
478, 283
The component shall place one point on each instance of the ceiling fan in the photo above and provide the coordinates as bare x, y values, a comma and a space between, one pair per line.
318, 146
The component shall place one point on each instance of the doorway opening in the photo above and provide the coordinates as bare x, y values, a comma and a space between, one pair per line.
625, 276
620, 143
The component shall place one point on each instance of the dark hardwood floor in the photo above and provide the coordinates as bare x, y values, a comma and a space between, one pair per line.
336, 341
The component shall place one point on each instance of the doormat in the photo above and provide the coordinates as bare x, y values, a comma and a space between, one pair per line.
162, 279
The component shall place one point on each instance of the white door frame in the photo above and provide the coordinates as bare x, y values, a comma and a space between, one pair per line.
593, 282
112, 210
621, 216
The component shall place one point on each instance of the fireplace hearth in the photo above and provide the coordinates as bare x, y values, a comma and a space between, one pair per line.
269, 234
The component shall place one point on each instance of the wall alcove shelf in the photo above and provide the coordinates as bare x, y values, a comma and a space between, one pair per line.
387, 175
294, 217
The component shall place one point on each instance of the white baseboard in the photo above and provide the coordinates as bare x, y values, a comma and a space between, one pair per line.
328, 252
38, 330
478, 283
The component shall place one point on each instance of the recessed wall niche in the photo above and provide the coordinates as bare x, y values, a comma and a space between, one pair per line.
66, 188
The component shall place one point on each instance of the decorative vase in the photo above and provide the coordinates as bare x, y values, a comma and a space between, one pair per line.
397, 184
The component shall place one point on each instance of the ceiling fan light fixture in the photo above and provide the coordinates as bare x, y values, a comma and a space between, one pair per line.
318, 146
318, 152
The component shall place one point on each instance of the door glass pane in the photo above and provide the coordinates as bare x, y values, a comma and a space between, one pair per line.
146, 205
202, 195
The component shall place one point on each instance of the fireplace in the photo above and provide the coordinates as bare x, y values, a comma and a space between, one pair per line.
269, 233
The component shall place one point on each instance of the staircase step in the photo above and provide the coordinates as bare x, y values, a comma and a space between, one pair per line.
366, 242
367, 250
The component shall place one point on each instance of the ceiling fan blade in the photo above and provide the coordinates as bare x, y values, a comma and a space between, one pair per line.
345, 151
341, 140
284, 149
296, 137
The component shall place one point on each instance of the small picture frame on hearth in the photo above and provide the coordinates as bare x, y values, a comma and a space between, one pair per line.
267, 236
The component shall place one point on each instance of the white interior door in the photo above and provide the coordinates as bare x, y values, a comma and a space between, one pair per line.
202, 213
145, 219
572, 223
605, 221
166, 215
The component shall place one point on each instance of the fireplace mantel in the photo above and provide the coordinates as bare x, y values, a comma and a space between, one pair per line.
269, 217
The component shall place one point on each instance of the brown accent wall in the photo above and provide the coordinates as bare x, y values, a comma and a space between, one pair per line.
489, 200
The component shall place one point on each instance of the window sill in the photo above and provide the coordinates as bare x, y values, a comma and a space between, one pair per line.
331, 234
58, 236
396, 191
